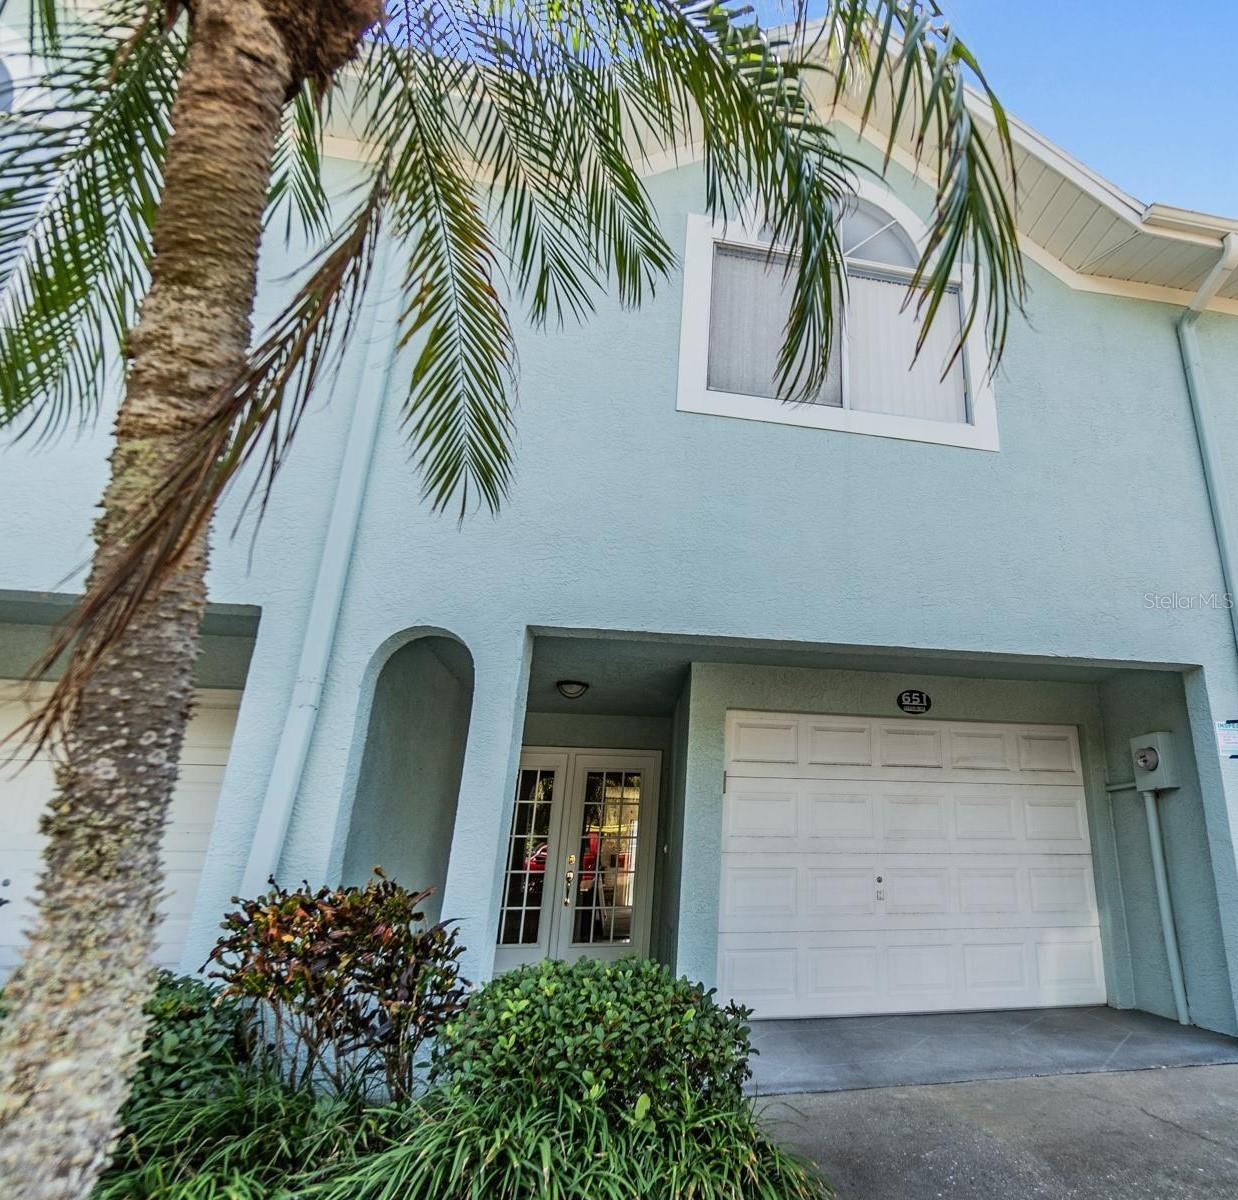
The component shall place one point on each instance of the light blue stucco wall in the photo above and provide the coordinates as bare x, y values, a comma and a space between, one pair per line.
404, 812
1146, 702
223, 662
627, 515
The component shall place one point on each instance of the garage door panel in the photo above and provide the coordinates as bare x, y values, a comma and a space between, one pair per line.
985, 815
790, 745
764, 741
838, 892
1068, 965
918, 890
843, 976
991, 966
916, 817
1056, 818
756, 896
982, 750
844, 814
838, 743
910, 746
904, 866
764, 977
922, 967
991, 891
23, 796
774, 894
829, 815
1051, 753
756, 809
855, 973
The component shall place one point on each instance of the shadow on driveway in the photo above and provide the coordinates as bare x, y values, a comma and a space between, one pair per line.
1145, 1135
845, 1053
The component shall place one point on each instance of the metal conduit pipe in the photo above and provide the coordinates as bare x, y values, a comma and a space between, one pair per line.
1161, 877
292, 749
1201, 407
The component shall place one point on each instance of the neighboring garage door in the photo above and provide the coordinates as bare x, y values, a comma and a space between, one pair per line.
23, 794
887, 866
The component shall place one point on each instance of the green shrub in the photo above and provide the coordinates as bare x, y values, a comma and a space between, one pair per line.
613, 1034
455, 1146
196, 1037
657, 1114
348, 982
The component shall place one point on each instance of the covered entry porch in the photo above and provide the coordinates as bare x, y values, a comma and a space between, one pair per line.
674, 696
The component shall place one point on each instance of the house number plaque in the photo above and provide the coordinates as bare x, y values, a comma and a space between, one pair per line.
912, 701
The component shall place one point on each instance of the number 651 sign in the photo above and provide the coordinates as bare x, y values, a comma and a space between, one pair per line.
912, 701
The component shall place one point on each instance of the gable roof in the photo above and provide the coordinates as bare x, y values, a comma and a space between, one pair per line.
1086, 230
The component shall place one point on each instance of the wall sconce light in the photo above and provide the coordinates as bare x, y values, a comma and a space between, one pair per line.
571, 689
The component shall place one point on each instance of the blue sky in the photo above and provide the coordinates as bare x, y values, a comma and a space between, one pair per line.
1143, 91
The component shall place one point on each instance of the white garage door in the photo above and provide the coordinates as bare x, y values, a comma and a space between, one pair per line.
886, 866
24, 793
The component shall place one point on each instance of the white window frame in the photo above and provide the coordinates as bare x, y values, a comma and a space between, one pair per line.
694, 394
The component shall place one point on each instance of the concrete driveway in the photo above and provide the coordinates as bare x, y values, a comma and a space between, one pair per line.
1139, 1135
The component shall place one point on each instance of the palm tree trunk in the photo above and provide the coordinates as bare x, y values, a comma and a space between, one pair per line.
75, 1024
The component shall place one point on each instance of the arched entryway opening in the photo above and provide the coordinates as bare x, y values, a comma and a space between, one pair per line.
409, 781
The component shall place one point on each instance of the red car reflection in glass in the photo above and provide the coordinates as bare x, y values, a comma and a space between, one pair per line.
588, 860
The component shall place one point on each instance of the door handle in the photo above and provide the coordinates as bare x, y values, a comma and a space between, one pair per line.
567, 888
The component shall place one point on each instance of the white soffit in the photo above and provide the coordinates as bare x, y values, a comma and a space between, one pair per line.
1073, 222
1083, 228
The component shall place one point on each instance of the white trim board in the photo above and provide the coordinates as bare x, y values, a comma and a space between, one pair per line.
693, 395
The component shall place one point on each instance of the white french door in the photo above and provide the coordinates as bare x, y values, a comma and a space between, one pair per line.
578, 872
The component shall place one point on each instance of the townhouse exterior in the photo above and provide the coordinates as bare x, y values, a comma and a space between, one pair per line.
828, 705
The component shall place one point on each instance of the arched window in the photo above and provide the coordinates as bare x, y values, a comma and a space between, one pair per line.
871, 235
736, 298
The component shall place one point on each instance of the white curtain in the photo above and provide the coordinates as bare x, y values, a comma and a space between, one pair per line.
883, 374
747, 317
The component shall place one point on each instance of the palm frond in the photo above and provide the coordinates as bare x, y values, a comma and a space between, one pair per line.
252, 422
709, 72
81, 171
297, 190
506, 146
458, 412
908, 64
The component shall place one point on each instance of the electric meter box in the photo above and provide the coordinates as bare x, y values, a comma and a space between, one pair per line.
1156, 765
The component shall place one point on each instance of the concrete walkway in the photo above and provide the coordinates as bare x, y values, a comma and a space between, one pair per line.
1144, 1135
845, 1053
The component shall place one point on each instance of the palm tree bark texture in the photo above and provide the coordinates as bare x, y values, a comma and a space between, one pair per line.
75, 1023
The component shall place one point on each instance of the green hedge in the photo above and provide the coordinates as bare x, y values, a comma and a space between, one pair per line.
616, 1035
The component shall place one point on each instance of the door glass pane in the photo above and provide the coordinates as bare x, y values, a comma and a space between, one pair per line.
525, 870
606, 859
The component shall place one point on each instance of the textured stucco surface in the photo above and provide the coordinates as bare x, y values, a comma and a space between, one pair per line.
1146, 702
627, 515
404, 811
223, 662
